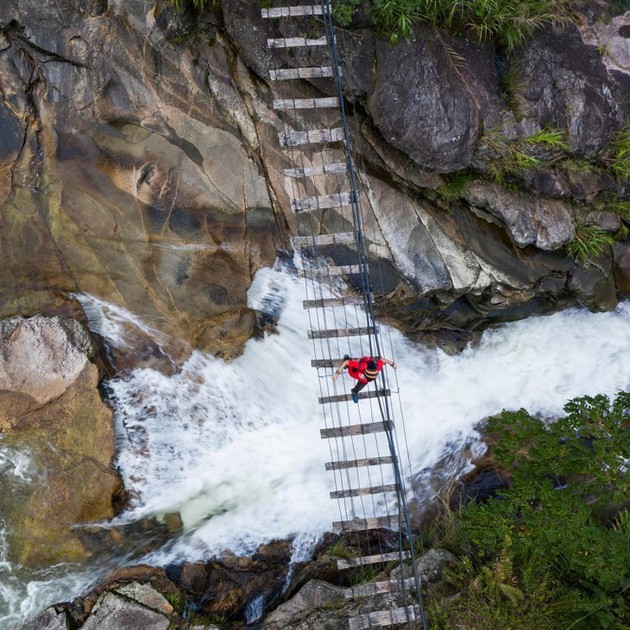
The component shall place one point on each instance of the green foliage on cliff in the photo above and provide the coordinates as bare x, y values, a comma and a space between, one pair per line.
552, 550
508, 22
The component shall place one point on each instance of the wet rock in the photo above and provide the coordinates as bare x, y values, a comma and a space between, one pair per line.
53, 415
310, 608
594, 285
134, 183
621, 252
113, 612
50, 619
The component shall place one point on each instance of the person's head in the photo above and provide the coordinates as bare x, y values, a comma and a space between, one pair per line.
371, 371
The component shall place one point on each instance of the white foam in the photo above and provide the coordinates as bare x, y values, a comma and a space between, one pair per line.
235, 448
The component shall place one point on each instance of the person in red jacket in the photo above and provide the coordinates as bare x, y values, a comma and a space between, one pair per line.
364, 370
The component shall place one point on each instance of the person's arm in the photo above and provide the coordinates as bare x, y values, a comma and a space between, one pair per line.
340, 369
388, 362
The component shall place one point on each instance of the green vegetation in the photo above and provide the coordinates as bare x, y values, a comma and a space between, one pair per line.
589, 242
508, 22
200, 5
552, 550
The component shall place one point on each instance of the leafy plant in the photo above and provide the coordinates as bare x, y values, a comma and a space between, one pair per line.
200, 5
508, 22
551, 138
620, 146
589, 242
456, 185
343, 10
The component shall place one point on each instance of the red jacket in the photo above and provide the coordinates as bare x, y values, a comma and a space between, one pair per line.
356, 368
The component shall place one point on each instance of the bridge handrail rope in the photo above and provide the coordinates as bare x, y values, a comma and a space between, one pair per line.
367, 293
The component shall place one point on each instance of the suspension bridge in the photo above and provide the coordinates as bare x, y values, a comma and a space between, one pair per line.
324, 187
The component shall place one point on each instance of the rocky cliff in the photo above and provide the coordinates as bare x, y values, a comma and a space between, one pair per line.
140, 163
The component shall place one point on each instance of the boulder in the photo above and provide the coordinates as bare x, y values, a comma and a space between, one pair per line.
54, 418
422, 105
113, 612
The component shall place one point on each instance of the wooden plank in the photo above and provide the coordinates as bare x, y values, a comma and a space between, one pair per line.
361, 492
370, 589
314, 136
342, 332
371, 393
321, 240
383, 618
354, 429
362, 524
326, 272
321, 202
286, 74
381, 558
360, 463
284, 104
296, 42
311, 171
296, 11
351, 300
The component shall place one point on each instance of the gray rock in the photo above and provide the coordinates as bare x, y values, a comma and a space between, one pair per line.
313, 597
621, 253
113, 612
50, 619
146, 595
565, 85
41, 357
593, 284
546, 223
429, 566
422, 106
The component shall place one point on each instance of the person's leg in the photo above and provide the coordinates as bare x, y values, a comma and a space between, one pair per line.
358, 387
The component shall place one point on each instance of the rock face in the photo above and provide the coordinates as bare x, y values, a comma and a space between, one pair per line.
139, 162
54, 422
122, 175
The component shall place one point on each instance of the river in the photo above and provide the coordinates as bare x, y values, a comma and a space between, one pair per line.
235, 448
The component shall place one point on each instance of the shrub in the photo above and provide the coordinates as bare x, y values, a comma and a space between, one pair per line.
589, 242
550, 537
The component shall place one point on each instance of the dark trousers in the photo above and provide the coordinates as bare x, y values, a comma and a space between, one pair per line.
359, 386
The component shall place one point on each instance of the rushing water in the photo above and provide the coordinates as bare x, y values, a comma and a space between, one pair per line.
235, 447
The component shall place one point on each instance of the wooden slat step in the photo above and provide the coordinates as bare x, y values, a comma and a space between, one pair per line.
383, 618
341, 332
361, 492
305, 103
296, 11
311, 171
369, 589
360, 463
325, 272
381, 558
362, 524
351, 300
321, 240
353, 429
286, 74
296, 42
305, 204
314, 136
371, 393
